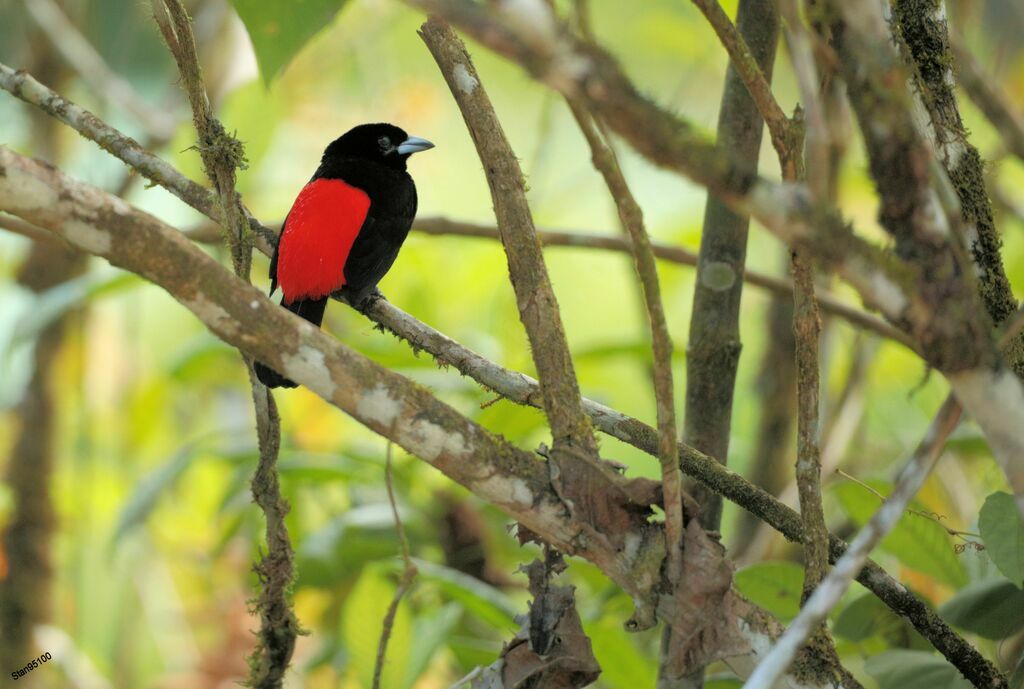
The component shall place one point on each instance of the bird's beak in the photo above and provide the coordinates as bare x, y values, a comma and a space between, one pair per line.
413, 144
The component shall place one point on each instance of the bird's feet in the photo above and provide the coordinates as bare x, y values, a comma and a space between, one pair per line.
360, 300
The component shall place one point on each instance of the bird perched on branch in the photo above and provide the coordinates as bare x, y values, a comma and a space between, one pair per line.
346, 226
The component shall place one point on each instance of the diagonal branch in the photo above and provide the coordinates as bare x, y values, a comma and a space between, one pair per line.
924, 33
631, 217
538, 308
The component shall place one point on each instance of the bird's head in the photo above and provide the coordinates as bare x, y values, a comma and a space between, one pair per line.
382, 143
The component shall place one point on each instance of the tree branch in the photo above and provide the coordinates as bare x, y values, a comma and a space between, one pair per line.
674, 254
126, 149
538, 308
522, 389
387, 403
409, 573
924, 32
631, 217
222, 155
960, 343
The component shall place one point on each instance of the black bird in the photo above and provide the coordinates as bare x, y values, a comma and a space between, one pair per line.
346, 226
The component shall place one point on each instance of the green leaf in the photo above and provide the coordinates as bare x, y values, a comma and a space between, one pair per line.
1002, 530
430, 633
477, 597
280, 28
361, 625
346, 544
149, 490
868, 617
914, 670
993, 608
917, 542
775, 586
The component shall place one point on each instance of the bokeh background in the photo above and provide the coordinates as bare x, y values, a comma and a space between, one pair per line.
154, 438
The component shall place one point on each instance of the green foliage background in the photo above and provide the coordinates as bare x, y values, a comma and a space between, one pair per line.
156, 440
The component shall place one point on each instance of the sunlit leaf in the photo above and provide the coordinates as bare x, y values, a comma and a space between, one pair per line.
775, 586
1002, 529
993, 609
362, 622
914, 670
280, 28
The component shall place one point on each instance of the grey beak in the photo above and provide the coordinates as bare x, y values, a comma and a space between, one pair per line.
413, 144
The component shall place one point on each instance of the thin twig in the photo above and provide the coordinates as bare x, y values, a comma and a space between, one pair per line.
631, 217
930, 516
221, 153
817, 135
749, 70
827, 595
409, 573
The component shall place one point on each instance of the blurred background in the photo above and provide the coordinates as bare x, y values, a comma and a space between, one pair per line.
149, 421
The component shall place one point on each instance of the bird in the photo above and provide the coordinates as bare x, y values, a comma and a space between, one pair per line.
346, 226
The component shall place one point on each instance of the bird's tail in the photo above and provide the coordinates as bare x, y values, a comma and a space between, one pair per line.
313, 311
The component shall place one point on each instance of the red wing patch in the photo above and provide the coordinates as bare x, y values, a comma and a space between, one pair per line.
321, 228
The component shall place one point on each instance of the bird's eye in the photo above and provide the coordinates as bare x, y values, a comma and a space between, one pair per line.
384, 143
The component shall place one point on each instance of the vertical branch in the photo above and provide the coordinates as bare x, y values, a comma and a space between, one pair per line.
788, 138
275, 570
632, 220
713, 350
807, 327
26, 542
222, 155
538, 308
714, 344
776, 389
